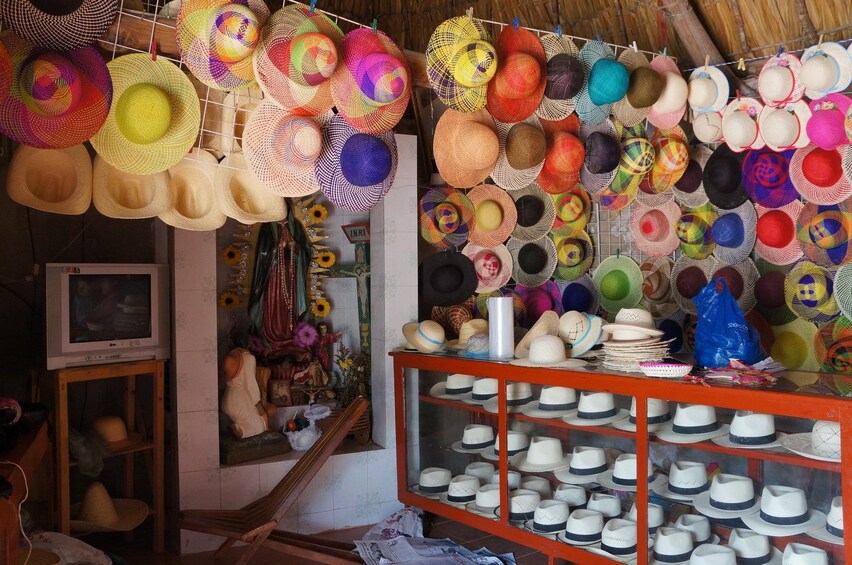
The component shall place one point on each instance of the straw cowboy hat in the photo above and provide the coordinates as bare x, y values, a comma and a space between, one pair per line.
522, 152
154, 118
521, 78
98, 512
493, 266
619, 283
56, 99
653, 230
779, 82
58, 28
465, 147
460, 60
642, 92
739, 124
824, 233
446, 217
51, 180
496, 215
536, 212
565, 77
242, 196
117, 194
776, 233
607, 81
114, 433
767, 179
217, 40
819, 176
708, 90
297, 53
826, 68
785, 127
669, 108
193, 194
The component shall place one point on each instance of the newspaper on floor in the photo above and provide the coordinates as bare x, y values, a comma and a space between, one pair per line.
426, 550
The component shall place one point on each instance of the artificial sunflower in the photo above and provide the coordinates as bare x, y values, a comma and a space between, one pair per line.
228, 299
231, 255
317, 213
320, 308
326, 259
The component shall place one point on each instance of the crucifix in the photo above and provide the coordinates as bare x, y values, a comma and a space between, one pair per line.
358, 235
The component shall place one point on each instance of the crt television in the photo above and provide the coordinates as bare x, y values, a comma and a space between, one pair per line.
106, 313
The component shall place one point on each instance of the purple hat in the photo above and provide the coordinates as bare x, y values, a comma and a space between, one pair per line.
539, 299
766, 178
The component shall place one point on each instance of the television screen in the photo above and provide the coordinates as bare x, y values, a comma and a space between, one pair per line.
109, 307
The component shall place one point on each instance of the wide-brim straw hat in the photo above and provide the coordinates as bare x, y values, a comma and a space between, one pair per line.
707, 127
619, 283
427, 336
355, 170
217, 40
5, 71
688, 277
826, 68
779, 82
496, 215
809, 292
446, 217
740, 279
493, 265
843, 289
623, 110
734, 233
824, 233
819, 175
98, 512
154, 119
794, 345
74, 29
785, 127
534, 262
590, 54
653, 228
522, 152
637, 159
536, 212
657, 295
193, 204
770, 295
573, 210
460, 60
777, 241
117, 194
671, 106
739, 124
832, 345
242, 196
723, 178
56, 99
600, 154
465, 147
580, 294
521, 78
371, 85
766, 177
297, 54
693, 230
568, 78
689, 189
446, 278
51, 180
574, 253
547, 324
708, 89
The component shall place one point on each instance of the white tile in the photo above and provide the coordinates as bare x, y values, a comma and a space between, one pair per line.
198, 440
388, 508
381, 474
200, 490
366, 512
270, 474
195, 320
240, 485
196, 542
349, 471
197, 380
318, 496
316, 522
194, 258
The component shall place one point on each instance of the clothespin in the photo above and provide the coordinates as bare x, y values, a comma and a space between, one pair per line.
821, 36
516, 23
633, 45
738, 95
374, 24
558, 31
706, 61
618, 252
665, 52
469, 13
741, 64
152, 49
780, 51
313, 6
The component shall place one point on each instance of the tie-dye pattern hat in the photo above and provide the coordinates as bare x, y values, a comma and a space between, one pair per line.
809, 292
824, 232
446, 217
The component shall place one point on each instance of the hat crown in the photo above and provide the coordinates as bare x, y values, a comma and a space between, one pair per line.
473, 63
51, 84
480, 469
463, 485
477, 433
557, 395
485, 386
698, 526
544, 450
435, 476
671, 542
587, 457
596, 402
687, 474
835, 513
731, 488
673, 94
820, 72
564, 77
775, 228
656, 407
518, 76
584, 522
515, 391
625, 467
299, 141
313, 57
573, 495
752, 424
825, 438
654, 225
783, 502
143, 113
645, 87
822, 167
608, 81
707, 127
694, 415
780, 128
739, 129
635, 317
549, 512
607, 504
523, 500
801, 554
97, 506
513, 479
709, 554
365, 160
619, 534
702, 91
530, 210
603, 152
572, 326
777, 83
748, 544
110, 428
547, 350
525, 145
475, 144
488, 496
468, 329
382, 78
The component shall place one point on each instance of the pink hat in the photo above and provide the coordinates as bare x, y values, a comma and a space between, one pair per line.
669, 108
653, 228
826, 126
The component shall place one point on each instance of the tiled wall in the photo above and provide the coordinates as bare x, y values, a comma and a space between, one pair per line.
352, 489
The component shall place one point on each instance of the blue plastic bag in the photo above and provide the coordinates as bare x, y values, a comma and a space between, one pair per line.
722, 332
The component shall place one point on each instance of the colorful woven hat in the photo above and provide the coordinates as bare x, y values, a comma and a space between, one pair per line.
642, 92
833, 346
794, 345
693, 230
193, 203
57, 99
843, 289
51, 180
776, 233
603, 155
565, 77
613, 201
460, 60
517, 304
573, 210
689, 189
580, 295
465, 147
116, 194
770, 295
536, 213
818, 174
766, 178
670, 107
825, 128
739, 124
298, 51
779, 81
5, 71
154, 118
242, 196
282, 149
824, 232
671, 157
809, 292
574, 253
707, 127
734, 233
619, 283
496, 215
657, 295
538, 300
446, 278
826, 68
355, 170
371, 86
653, 228
493, 266
217, 40
533, 263
785, 127
740, 279
637, 158
689, 276
723, 178
708, 90
562, 162
63, 26
446, 217
607, 81
518, 86
522, 152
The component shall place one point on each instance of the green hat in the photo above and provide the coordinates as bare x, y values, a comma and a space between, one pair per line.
619, 283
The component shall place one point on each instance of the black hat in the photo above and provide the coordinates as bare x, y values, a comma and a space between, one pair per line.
603, 152
446, 278
723, 178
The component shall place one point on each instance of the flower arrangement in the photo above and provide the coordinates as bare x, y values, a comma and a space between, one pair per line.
355, 372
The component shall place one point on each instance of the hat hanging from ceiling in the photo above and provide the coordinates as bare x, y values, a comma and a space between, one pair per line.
785, 127
354, 169
809, 292
819, 176
657, 295
723, 178
607, 81
565, 77
563, 160
740, 279
538, 300
580, 295
217, 40
707, 127
533, 263
521, 78
465, 147
536, 212
282, 149
693, 230
460, 60
522, 151
824, 232
154, 118
51, 180
496, 215
493, 266
826, 68
242, 196
779, 82
689, 189
689, 276
637, 159
446, 278
371, 85
739, 124
733, 232
446, 217
56, 99
573, 210
670, 107
769, 291
708, 89
643, 90
298, 51
619, 283
776, 233
574, 253
653, 228
671, 157
193, 202
62, 26
825, 128
117, 194
766, 177
794, 345
603, 155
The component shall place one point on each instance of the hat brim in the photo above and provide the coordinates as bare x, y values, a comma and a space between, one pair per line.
722, 88
634, 277
669, 240
649, 332
833, 194
540, 277
666, 433
823, 535
801, 444
519, 462
458, 448
575, 420
664, 306
792, 251
489, 192
547, 324
130, 512
439, 390
725, 441
502, 277
844, 65
663, 491
566, 364
549, 108
512, 110
429, 226
133, 438
80, 27
26, 158
415, 340
562, 537
544, 223
701, 502
533, 411
490, 405
564, 476
485, 512
627, 426
843, 289
755, 522
605, 479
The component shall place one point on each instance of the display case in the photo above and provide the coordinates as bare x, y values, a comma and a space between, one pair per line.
428, 426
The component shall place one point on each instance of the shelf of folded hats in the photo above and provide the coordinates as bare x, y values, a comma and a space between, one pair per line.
143, 445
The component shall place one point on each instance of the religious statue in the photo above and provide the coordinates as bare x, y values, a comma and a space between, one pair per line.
242, 400
324, 343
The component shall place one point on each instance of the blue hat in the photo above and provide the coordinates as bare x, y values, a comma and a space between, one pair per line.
608, 82
580, 295
728, 230
734, 233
